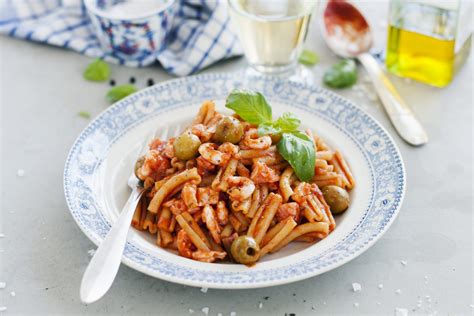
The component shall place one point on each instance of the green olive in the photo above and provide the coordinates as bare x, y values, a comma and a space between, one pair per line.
245, 250
186, 146
138, 164
229, 129
337, 198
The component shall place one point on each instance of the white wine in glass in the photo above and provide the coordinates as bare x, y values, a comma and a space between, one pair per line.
271, 32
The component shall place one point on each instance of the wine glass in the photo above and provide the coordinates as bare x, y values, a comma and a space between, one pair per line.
272, 33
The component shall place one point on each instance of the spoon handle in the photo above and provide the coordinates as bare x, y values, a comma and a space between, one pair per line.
401, 115
103, 267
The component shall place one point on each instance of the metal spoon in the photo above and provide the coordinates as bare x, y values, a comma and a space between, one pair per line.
348, 34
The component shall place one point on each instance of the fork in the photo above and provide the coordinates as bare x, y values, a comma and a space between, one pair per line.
104, 265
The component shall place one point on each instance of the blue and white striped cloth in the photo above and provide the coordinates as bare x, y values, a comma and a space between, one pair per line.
201, 33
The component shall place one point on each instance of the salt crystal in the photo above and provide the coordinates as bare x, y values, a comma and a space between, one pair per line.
260, 305
398, 291
205, 310
356, 287
204, 289
426, 277
428, 297
12, 293
324, 303
401, 311
2, 285
233, 313
20, 172
403, 262
378, 303
356, 304
472, 305
44, 238
418, 305
2, 235
219, 314
191, 311
3, 308
380, 286
91, 252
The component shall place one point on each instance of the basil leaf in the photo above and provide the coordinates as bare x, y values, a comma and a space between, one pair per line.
84, 114
98, 70
341, 75
119, 92
298, 149
288, 122
250, 106
308, 58
268, 129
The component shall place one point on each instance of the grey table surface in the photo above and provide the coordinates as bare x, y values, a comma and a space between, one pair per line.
43, 253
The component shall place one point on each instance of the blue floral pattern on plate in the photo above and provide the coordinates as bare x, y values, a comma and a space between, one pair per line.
377, 146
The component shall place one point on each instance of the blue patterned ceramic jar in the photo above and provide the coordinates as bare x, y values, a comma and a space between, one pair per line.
132, 31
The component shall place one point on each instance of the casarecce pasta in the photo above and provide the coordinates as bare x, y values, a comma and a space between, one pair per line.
206, 190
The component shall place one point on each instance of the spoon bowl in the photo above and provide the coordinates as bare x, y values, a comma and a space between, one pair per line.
347, 32
348, 35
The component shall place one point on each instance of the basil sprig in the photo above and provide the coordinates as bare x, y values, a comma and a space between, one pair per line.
97, 70
119, 92
295, 147
341, 75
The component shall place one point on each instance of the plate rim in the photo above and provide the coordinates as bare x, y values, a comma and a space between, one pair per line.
227, 285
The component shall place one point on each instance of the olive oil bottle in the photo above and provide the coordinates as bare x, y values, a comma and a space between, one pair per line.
428, 40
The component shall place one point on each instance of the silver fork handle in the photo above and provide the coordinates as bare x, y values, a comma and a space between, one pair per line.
401, 115
104, 265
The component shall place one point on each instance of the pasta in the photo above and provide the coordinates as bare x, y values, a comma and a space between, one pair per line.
223, 190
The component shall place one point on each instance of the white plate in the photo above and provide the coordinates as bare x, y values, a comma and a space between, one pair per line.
102, 158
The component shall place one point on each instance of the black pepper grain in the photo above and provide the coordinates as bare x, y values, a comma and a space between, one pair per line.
150, 82
132, 80
112, 82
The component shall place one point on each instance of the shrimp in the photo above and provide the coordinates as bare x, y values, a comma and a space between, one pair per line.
209, 218
168, 150
229, 148
184, 244
154, 165
252, 140
242, 170
201, 131
208, 255
188, 194
209, 152
241, 188
204, 166
262, 173
207, 196
176, 206
288, 210
222, 213
157, 144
